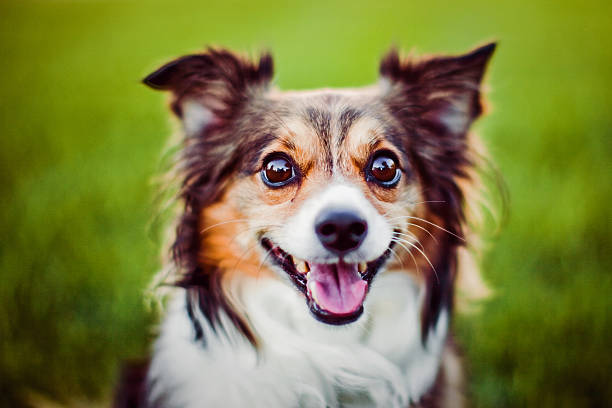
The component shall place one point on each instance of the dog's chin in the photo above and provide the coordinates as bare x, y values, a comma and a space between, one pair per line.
334, 292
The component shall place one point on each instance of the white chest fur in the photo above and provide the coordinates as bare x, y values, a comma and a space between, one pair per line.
377, 361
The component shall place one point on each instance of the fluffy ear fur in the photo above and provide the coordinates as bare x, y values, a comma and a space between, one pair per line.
208, 89
446, 88
436, 100
209, 93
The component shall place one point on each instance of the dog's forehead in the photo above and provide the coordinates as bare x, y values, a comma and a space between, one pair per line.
336, 117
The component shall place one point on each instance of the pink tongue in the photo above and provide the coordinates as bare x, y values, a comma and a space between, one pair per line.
337, 288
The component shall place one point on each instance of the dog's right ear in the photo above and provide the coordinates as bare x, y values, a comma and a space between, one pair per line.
209, 89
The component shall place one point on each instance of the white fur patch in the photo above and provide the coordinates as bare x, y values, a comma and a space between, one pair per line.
196, 117
456, 117
377, 361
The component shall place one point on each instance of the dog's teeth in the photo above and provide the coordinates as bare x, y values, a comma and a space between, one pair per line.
362, 267
302, 267
313, 291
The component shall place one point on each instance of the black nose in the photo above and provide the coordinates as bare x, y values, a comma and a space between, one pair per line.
340, 231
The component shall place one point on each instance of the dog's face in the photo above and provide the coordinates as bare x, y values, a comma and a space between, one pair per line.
324, 189
327, 194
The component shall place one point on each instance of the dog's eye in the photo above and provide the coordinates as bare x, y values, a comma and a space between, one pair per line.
384, 169
277, 171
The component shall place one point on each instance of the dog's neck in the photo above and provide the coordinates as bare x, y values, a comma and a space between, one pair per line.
380, 360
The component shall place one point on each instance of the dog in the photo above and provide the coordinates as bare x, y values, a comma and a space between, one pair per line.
321, 235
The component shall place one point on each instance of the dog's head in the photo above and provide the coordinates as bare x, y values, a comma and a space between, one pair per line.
327, 188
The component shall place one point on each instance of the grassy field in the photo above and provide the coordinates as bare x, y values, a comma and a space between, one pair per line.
81, 140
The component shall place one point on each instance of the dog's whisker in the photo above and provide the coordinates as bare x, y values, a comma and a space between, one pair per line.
248, 229
396, 256
400, 242
264, 260
429, 201
418, 269
412, 236
401, 227
223, 223
243, 231
424, 229
430, 223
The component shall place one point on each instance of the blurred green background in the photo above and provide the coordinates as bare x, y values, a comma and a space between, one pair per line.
80, 141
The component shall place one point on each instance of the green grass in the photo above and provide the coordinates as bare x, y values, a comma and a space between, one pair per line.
81, 140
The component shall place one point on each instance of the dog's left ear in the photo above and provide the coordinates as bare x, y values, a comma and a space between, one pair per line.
210, 88
440, 93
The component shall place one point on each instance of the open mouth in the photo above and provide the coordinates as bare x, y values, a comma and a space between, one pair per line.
334, 292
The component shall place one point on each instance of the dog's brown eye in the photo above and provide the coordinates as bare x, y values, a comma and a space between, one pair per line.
277, 171
384, 170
